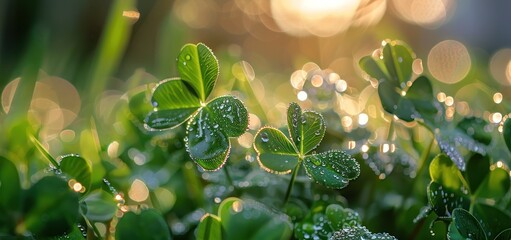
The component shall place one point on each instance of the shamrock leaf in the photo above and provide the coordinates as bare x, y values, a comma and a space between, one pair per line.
277, 153
392, 67
183, 99
244, 219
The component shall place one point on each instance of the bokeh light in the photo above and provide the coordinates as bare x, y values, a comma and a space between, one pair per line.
449, 61
138, 191
425, 13
500, 66
314, 17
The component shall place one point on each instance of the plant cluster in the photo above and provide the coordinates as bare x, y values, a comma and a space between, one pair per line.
287, 186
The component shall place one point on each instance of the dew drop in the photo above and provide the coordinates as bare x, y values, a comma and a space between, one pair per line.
400, 59
184, 63
188, 57
155, 104
264, 137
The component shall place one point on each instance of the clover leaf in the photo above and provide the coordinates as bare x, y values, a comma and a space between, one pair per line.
277, 153
209, 124
392, 67
244, 219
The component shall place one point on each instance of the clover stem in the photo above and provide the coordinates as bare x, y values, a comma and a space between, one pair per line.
291, 182
391, 130
228, 177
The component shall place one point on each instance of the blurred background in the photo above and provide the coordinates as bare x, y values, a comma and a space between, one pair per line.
81, 57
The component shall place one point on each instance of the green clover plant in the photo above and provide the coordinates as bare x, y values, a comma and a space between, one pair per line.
279, 154
392, 67
184, 99
469, 201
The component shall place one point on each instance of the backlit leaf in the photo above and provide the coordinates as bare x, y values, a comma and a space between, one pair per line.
77, 168
276, 153
332, 169
306, 130
210, 228
199, 67
466, 225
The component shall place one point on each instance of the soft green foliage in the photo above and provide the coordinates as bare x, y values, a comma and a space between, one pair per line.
148, 224
210, 123
278, 154
507, 133
10, 193
244, 219
77, 168
465, 198
50, 208
334, 222
465, 226
99, 206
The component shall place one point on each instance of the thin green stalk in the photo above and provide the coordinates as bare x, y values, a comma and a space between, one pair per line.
291, 182
228, 177
113, 42
44, 152
390, 134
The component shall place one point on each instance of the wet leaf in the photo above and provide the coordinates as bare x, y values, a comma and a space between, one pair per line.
149, 224
276, 153
210, 228
77, 168
199, 67
466, 225
209, 130
504, 235
332, 169
173, 103
359, 232
316, 225
447, 148
393, 70
443, 171
475, 128
493, 220
50, 208
507, 133
341, 217
444, 200
100, 206
306, 129
251, 220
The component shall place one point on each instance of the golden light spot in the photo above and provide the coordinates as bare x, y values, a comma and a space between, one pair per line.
352, 144
341, 85
246, 140
237, 206
298, 79
138, 191
449, 61
317, 80
364, 148
382, 176
333, 78
496, 117
253, 121
347, 121
441, 97
425, 13
417, 67
497, 97
119, 198
313, 17
449, 113
463, 108
243, 71
384, 148
363, 119
131, 14
449, 101
500, 164
113, 149
500, 68
302, 96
